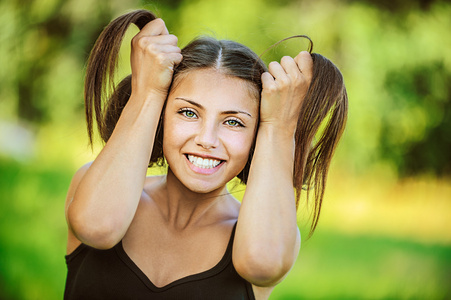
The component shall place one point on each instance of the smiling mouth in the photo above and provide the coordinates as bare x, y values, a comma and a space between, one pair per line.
203, 163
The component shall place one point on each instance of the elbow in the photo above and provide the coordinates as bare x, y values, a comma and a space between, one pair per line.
262, 268
97, 233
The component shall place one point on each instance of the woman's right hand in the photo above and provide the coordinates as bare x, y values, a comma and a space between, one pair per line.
154, 54
104, 198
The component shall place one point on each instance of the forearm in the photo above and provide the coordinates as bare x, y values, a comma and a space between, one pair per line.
267, 233
107, 197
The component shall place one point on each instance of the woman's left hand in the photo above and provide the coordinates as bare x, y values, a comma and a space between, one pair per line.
267, 239
284, 89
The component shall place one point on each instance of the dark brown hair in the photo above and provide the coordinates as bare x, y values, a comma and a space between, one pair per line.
325, 99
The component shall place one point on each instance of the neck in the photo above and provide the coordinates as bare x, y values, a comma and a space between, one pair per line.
183, 208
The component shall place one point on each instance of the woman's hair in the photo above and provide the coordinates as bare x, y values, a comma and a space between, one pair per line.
326, 99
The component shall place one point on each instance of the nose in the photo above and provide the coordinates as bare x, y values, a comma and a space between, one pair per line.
207, 136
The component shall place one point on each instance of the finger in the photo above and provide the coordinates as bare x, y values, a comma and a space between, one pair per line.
268, 82
155, 27
157, 49
169, 60
276, 70
167, 49
290, 67
305, 63
169, 39
154, 43
174, 59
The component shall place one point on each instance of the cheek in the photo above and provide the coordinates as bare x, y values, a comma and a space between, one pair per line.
176, 132
170, 134
240, 145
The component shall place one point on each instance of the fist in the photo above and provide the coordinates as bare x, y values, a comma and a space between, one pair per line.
284, 89
154, 54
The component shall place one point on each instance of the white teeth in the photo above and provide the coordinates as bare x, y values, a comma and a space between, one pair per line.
204, 163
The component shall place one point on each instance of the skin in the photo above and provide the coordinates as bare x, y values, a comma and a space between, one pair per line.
163, 220
214, 116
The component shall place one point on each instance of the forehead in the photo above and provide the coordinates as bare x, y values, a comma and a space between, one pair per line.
212, 88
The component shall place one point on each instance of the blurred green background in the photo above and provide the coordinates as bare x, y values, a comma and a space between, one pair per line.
385, 229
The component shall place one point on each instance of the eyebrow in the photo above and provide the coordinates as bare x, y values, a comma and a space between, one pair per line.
228, 112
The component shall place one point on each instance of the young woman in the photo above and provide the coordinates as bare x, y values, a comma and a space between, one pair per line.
211, 112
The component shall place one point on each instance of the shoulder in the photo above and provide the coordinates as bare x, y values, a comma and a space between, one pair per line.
153, 185
152, 180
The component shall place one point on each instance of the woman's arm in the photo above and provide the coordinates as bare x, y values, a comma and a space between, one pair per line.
106, 198
267, 238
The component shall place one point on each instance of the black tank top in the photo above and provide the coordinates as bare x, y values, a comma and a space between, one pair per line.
111, 274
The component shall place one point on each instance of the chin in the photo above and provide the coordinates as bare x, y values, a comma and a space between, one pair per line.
197, 185
203, 187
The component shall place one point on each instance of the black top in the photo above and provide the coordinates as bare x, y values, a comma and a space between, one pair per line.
111, 274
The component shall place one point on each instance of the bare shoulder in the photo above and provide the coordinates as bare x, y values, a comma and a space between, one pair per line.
152, 185
152, 180
233, 206
72, 241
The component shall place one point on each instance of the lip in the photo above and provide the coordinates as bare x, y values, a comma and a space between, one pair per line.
201, 170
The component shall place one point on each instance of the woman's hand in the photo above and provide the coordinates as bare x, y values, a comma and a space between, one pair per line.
267, 239
154, 55
284, 89
104, 197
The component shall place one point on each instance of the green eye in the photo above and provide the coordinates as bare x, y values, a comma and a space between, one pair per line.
189, 114
234, 123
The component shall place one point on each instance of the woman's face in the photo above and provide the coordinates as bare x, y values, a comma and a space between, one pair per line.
209, 126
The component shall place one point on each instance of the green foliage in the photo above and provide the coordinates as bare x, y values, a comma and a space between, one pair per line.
339, 266
32, 231
371, 42
415, 130
331, 265
396, 62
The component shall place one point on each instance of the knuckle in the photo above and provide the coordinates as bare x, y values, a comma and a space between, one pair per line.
164, 59
297, 78
151, 48
284, 82
159, 22
179, 57
160, 57
135, 41
174, 39
270, 88
140, 42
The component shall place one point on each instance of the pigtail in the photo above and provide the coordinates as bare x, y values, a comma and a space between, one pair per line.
326, 97
99, 81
